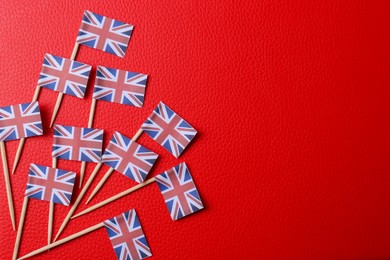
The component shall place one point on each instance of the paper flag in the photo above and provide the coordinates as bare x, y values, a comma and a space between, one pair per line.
127, 237
128, 157
64, 75
169, 129
77, 143
103, 33
179, 191
119, 86
50, 184
20, 121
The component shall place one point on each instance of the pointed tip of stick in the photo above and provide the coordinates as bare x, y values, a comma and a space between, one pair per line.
15, 165
58, 234
88, 200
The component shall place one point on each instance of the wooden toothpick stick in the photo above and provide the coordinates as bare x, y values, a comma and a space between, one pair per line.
22, 140
78, 200
36, 93
64, 240
51, 210
60, 95
109, 172
50, 223
18, 153
56, 108
137, 135
118, 196
74, 52
20, 228
82, 173
92, 113
90, 123
7, 184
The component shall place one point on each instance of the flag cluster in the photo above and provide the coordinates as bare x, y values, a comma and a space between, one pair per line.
123, 154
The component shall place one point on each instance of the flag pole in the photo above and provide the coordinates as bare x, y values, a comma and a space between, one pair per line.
51, 210
20, 228
64, 240
90, 123
36, 93
56, 108
109, 172
118, 196
92, 112
18, 153
82, 172
61, 95
50, 224
22, 140
78, 200
7, 184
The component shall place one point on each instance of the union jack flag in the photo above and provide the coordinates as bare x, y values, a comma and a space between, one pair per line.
20, 121
127, 237
169, 129
129, 158
50, 184
77, 143
179, 191
119, 86
64, 75
103, 33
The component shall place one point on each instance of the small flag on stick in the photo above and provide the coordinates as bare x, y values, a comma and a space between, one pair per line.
179, 191
45, 183
169, 129
127, 157
65, 76
119, 86
16, 122
103, 33
50, 184
124, 231
127, 237
20, 121
77, 143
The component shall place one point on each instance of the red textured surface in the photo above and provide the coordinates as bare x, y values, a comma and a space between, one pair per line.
291, 103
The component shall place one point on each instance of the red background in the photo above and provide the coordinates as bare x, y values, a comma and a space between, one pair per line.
290, 100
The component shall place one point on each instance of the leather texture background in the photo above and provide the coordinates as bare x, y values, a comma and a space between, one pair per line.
290, 100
